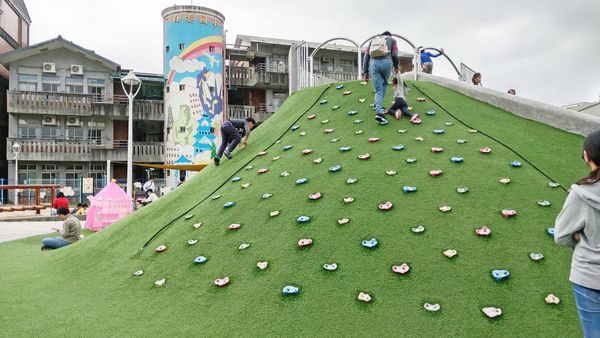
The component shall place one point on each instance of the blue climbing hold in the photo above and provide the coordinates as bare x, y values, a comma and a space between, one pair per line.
288, 147
303, 219
352, 112
301, 181
383, 123
409, 189
290, 290
439, 131
430, 112
340, 86
369, 243
322, 101
456, 159
500, 274
345, 148
515, 164
335, 168
228, 205
200, 260
551, 232
235, 179
398, 147
295, 127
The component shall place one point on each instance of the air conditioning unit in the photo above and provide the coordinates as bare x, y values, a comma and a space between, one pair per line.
72, 121
49, 120
76, 70
48, 67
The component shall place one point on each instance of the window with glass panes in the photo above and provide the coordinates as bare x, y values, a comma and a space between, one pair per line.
98, 173
346, 66
73, 175
49, 173
95, 136
27, 173
50, 83
49, 132
75, 133
28, 82
96, 86
74, 85
26, 128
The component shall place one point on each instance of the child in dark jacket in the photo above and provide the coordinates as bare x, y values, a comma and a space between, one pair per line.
400, 106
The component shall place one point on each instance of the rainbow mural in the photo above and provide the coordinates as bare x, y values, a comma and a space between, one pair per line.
194, 85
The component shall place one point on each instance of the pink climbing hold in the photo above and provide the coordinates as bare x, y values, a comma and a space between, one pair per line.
509, 213
161, 248
234, 226
401, 269
435, 173
304, 242
436, 150
386, 206
315, 196
222, 282
263, 170
483, 231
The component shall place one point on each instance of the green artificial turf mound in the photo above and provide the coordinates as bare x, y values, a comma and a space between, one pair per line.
88, 289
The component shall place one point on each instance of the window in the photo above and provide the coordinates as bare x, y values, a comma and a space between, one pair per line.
211, 49
72, 179
347, 66
181, 87
74, 85
26, 132
48, 178
27, 173
50, 83
28, 82
98, 173
167, 49
168, 89
181, 46
74, 167
96, 86
74, 133
95, 136
49, 133
182, 129
49, 167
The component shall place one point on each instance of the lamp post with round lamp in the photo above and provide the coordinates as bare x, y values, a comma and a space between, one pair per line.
131, 80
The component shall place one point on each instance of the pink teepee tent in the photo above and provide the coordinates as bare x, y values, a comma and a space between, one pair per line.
107, 207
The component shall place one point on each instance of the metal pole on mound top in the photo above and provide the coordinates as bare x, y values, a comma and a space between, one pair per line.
16, 148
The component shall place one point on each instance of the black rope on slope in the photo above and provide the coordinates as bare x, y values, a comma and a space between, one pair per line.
230, 177
490, 137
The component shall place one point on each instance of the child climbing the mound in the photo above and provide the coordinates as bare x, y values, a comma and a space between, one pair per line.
232, 132
400, 106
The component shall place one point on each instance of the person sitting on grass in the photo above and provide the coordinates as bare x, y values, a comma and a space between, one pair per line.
232, 132
60, 201
69, 233
400, 106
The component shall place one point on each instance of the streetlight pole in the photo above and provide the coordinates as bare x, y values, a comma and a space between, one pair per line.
131, 80
16, 148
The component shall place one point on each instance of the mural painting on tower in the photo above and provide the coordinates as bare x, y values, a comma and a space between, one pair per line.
193, 66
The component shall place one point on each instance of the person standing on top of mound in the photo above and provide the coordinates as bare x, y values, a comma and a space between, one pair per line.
69, 233
426, 62
232, 132
381, 56
578, 226
400, 106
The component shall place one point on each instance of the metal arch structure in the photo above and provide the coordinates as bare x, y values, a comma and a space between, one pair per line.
311, 56
415, 52
439, 51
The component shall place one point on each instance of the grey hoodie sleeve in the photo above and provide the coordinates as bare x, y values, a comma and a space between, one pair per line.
570, 220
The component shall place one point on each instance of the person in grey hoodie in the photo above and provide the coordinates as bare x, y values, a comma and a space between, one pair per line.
578, 226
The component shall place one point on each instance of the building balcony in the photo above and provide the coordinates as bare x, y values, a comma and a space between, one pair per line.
84, 150
259, 113
259, 76
116, 107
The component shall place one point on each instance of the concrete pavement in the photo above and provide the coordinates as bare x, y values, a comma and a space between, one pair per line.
10, 231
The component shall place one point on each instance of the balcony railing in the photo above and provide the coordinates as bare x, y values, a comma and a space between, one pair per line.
84, 150
259, 113
48, 103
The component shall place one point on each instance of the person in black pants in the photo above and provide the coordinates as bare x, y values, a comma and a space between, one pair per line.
232, 132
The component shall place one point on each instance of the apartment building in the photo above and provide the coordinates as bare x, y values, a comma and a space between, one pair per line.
14, 34
257, 72
68, 112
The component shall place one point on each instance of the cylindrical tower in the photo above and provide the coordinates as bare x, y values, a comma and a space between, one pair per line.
194, 48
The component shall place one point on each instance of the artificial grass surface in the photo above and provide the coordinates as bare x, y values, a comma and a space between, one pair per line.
92, 280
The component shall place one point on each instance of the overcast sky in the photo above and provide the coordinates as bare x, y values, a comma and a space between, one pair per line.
548, 50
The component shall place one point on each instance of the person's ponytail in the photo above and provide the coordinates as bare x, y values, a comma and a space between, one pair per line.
592, 178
